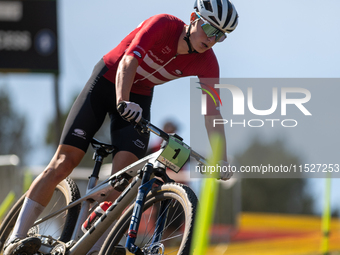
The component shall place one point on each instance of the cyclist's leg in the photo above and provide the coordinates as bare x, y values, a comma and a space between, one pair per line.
123, 159
84, 120
131, 145
64, 161
39, 194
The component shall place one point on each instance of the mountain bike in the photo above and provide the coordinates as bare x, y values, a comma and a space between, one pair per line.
152, 215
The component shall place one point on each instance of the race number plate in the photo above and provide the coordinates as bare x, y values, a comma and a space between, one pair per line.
175, 154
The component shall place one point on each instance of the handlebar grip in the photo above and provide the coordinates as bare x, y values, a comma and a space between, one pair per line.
120, 107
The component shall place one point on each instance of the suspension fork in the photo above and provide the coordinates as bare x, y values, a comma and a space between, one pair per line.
143, 190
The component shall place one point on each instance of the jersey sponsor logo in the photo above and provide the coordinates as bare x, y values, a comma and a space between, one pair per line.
139, 144
155, 57
139, 47
166, 50
79, 133
178, 72
137, 53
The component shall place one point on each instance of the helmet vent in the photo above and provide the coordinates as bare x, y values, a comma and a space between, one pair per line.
220, 9
230, 13
207, 6
234, 21
214, 19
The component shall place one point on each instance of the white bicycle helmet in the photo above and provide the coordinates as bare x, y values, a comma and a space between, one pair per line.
220, 13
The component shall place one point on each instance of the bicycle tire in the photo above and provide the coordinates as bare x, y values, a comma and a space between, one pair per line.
177, 193
66, 192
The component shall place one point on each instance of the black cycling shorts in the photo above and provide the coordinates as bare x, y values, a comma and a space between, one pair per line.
88, 113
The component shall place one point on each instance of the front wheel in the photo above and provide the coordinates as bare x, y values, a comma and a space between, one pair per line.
59, 227
181, 203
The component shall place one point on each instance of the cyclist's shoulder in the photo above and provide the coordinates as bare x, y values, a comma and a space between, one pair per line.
164, 19
207, 64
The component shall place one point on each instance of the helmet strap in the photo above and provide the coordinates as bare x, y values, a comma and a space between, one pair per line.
186, 38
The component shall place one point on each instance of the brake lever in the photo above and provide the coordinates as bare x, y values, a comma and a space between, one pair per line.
141, 127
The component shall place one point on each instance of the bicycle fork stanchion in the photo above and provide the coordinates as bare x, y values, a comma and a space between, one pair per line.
143, 190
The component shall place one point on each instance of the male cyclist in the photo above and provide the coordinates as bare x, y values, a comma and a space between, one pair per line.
160, 49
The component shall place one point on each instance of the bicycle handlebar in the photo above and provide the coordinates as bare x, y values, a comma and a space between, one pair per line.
145, 126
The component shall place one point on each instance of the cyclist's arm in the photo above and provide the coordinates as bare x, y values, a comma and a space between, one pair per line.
219, 129
125, 75
150, 32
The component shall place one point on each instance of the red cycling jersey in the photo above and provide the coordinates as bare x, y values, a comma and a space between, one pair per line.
154, 44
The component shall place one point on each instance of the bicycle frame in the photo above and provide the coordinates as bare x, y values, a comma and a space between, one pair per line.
81, 243
139, 187
84, 243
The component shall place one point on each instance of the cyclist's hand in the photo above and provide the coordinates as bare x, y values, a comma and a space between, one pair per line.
225, 173
130, 111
